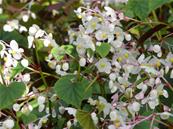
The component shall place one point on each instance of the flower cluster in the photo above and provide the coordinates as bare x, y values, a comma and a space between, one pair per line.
101, 55
11, 57
121, 62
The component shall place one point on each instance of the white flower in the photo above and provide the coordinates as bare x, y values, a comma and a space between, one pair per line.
153, 94
101, 35
26, 78
104, 65
165, 115
110, 12
107, 106
41, 100
85, 41
92, 25
128, 37
156, 48
135, 106
39, 33
30, 41
165, 94
82, 62
25, 18
94, 117
112, 86
24, 62
11, 25
71, 111
15, 50
16, 107
141, 58
9, 124
48, 39
153, 103
113, 115
33, 29
22, 29
112, 76
33, 15
58, 68
65, 66
41, 107
7, 28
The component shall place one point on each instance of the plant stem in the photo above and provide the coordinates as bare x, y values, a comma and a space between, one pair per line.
93, 81
44, 73
168, 83
158, 34
3, 80
41, 72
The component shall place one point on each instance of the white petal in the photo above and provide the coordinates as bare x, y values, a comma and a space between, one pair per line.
30, 41
171, 75
32, 30
24, 62
16, 107
141, 58
39, 33
7, 28
9, 123
25, 18
156, 48
14, 45
82, 62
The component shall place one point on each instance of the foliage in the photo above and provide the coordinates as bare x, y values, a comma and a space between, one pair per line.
86, 64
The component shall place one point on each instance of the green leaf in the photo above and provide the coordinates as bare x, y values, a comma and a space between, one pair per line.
8, 36
154, 4
72, 91
139, 7
28, 118
8, 94
68, 49
1, 47
103, 49
142, 8
18, 69
85, 120
3, 18
59, 52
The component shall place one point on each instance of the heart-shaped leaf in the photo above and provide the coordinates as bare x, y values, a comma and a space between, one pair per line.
103, 49
85, 119
8, 94
72, 91
142, 8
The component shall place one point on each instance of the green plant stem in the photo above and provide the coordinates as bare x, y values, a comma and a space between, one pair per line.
3, 80
78, 72
44, 73
158, 34
93, 81
161, 122
41, 72
171, 88
141, 22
